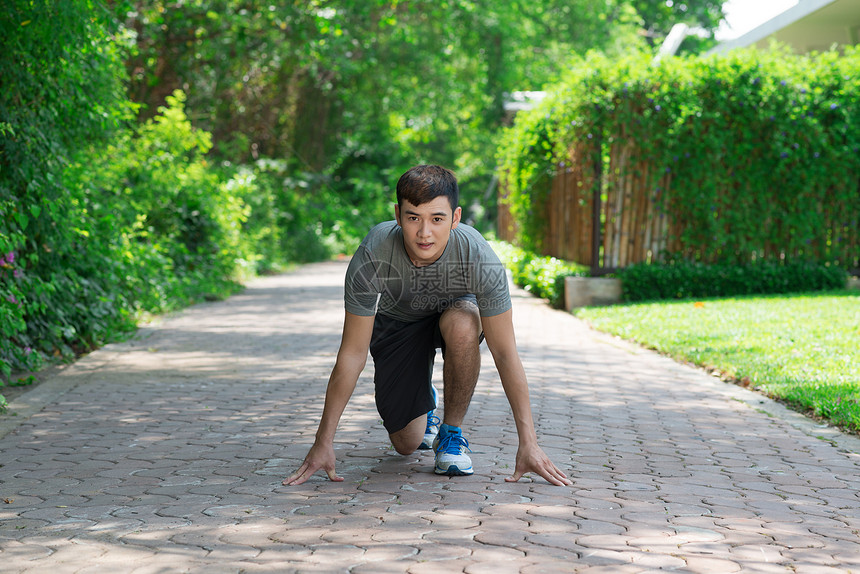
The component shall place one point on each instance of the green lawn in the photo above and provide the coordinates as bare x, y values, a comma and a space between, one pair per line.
801, 349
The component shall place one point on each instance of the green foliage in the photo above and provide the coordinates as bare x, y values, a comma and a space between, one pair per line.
763, 149
658, 16
148, 226
683, 280
800, 349
61, 74
300, 216
356, 88
169, 220
540, 275
101, 222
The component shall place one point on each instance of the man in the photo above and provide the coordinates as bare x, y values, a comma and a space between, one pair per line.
415, 284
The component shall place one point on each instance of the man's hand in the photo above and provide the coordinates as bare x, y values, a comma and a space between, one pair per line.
321, 456
535, 460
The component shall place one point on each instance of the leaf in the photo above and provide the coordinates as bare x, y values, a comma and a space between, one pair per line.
23, 220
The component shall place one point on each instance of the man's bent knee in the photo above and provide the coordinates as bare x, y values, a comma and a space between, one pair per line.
407, 439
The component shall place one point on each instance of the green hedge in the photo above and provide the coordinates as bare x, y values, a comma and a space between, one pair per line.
538, 274
682, 280
763, 149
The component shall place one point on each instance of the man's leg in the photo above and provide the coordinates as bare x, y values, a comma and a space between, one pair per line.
461, 330
403, 356
460, 327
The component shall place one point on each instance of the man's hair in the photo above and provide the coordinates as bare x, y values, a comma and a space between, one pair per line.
424, 183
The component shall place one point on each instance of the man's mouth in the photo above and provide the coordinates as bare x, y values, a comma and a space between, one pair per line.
424, 245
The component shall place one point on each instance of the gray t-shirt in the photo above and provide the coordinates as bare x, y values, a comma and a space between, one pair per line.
382, 279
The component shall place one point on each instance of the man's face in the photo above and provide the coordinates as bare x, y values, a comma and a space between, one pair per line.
426, 228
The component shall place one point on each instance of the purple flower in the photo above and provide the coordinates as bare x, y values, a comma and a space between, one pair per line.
27, 350
657, 107
17, 273
11, 299
784, 154
834, 106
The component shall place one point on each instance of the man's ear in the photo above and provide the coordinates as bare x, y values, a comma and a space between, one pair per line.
397, 213
458, 213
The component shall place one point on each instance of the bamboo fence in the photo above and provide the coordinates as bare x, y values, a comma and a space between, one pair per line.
634, 226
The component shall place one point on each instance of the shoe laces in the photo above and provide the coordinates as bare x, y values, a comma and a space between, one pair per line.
453, 444
432, 421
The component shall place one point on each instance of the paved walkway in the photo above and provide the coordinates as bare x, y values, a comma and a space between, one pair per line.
166, 453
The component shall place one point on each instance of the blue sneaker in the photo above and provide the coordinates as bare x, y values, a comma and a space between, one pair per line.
451, 457
430, 432
433, 423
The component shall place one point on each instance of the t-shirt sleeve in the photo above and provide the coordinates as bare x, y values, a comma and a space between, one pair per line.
361, 288
491, 289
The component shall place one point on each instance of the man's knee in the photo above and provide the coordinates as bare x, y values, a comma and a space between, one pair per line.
407, 439
461, 324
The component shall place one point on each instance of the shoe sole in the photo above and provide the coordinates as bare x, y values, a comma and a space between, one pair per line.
425, 446
453, 470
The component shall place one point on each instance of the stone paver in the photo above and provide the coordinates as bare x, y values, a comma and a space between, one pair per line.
165, 453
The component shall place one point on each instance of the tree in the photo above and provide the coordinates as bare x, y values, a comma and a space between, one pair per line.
658, 16
358, 88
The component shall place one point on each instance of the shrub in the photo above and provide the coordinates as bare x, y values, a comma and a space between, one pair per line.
172, 224
681, 280
538, 274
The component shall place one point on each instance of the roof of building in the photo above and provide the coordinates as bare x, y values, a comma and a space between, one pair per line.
810, 25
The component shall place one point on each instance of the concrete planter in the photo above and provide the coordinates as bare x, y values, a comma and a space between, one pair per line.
587, 291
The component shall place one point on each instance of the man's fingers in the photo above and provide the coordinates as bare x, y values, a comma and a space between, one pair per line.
306, 471
557, 477
518, 474
548, 471
553, 474
297, 477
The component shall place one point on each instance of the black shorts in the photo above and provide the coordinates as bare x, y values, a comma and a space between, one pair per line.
403, 356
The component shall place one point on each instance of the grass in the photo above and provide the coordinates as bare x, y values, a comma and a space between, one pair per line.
803, 350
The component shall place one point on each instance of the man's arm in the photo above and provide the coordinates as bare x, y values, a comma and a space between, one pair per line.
351, 358
499, 332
